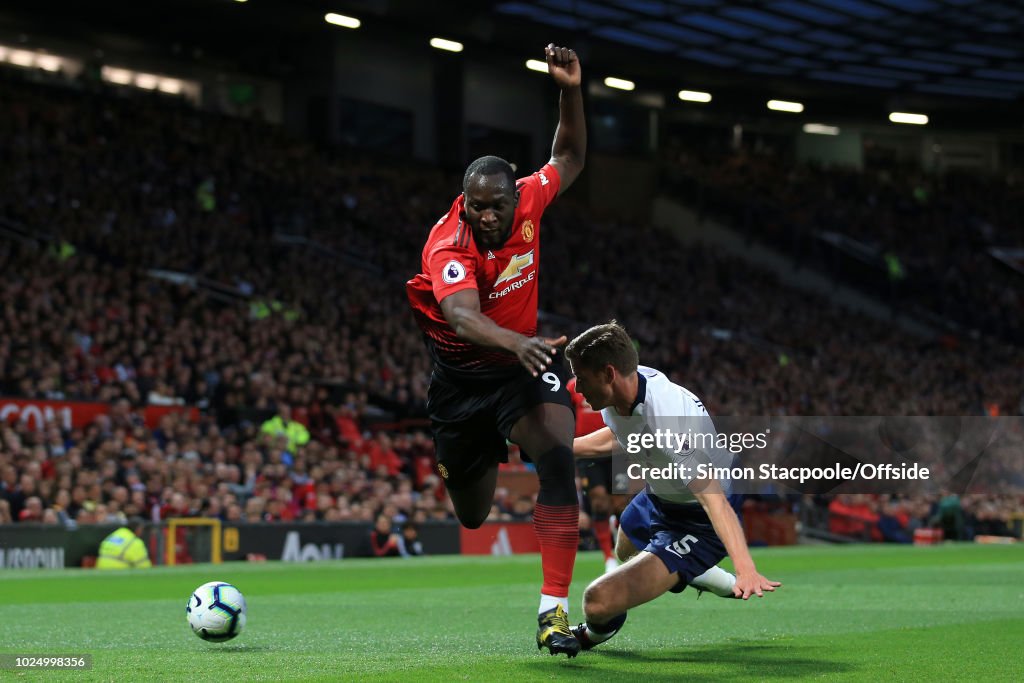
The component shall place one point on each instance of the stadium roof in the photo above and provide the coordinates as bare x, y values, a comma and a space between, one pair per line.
961, 48
961, 61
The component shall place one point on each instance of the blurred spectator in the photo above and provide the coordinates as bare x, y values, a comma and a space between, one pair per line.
124, 548
854, 515
383, 541
892, 524
409, 541
282, 424
950, 516
33, 510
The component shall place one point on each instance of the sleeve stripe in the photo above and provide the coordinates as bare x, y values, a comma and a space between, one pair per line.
462, 236
458, 234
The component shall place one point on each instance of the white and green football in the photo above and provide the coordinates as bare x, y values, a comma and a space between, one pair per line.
216, 611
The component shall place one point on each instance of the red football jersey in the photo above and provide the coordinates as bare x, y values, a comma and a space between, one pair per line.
588, 420
506, 279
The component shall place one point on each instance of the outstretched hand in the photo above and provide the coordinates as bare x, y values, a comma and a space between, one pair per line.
753, 584
563, 65
535, 353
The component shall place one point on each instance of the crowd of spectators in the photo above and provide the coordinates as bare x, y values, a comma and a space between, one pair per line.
288, 304
895, 519
938, 227
117, 468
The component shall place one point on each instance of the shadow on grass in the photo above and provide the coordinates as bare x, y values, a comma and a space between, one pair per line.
736, 661
235, 649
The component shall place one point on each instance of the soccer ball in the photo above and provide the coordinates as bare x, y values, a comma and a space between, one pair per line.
216, 611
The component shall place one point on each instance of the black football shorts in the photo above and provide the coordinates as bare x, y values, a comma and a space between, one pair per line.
471, 419
595, 472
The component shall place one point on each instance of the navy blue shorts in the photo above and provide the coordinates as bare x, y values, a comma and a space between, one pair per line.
681, 536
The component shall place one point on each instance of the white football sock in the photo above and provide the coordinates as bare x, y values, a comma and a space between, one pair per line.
715, 580
612, 627
549, 602
596, 638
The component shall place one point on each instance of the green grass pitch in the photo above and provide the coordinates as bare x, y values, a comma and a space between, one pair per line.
844, 613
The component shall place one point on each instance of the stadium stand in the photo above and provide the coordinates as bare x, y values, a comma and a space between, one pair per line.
158, 255
927, 237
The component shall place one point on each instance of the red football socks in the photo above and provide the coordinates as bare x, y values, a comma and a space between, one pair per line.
603, 533
558, 531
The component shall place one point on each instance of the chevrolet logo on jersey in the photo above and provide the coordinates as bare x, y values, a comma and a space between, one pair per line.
515, 267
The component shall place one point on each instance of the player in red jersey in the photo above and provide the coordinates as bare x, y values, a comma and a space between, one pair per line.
494, 379
597, 480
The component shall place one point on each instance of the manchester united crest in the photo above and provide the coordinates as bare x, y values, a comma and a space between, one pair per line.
527, 231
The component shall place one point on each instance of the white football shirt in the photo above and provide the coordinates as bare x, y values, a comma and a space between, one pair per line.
670, 430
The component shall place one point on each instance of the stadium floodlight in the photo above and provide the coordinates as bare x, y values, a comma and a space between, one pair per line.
116, 75
447, 45
619, 83
48, 62
146, 81
904, 117
783, 105
21, 58
537, 65
820, 129
342, 20
171, 86
694, 96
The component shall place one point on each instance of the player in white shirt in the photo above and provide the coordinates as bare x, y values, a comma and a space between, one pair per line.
676, 530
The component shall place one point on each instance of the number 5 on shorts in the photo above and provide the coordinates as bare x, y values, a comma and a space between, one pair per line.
682, 546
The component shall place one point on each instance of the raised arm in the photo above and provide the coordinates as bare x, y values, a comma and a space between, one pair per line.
569, 150
462, 311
